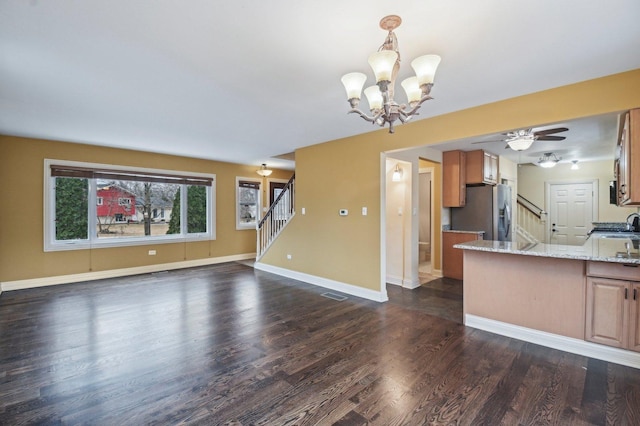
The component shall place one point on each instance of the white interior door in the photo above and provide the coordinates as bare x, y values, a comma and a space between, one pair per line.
571, 211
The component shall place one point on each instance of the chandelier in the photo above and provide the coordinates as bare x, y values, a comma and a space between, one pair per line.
385, 64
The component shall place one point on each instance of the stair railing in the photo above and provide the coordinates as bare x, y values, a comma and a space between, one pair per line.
531, 221
276, 218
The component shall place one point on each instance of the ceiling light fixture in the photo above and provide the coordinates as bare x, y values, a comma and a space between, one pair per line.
263, 171
385, 64
548, 160
397, 174
521, 143
574, 166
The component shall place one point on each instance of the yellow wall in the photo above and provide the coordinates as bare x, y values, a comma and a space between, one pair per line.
21, 211
346, 173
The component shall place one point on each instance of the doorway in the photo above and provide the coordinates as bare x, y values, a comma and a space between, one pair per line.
275, 188
572, 208
424, 220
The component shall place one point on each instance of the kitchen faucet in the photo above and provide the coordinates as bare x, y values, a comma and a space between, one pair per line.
636, 221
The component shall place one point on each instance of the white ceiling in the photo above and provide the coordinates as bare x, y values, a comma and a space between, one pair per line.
243, 81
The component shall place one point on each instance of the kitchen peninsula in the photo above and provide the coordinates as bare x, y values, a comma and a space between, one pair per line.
580, 299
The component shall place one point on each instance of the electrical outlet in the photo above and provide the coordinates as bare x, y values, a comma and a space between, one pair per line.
152, 252
364, 211
289, 257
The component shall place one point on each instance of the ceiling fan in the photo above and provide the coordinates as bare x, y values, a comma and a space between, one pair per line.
519, 140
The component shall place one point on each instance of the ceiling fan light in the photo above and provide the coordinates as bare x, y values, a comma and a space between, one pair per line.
353, 83
548, 160
382, 64
374, 96
425, 68
412, 89
520, 144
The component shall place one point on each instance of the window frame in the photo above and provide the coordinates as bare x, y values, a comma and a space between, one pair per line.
92, 241
252, 225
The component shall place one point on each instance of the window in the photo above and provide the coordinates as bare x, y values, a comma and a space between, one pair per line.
247, 203
91, 205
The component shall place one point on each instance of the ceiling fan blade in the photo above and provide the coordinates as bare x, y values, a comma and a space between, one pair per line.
495, 140
551, 138
550, 131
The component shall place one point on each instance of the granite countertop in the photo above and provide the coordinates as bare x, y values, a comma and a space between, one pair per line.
599, 248
456, 231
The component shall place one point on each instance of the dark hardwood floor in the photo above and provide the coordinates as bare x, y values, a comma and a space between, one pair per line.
229, 345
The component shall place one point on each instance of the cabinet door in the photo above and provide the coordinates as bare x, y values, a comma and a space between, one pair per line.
634, 317
452, 258
606, 312
454, 189
490, 168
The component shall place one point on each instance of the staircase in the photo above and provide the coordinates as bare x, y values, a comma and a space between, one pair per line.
276, 218
531, 223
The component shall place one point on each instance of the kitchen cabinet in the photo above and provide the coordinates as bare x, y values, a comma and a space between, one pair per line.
453, 178
452, 265
628, 159
482, 167
613, 305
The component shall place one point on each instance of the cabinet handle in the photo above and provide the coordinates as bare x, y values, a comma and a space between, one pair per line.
635, 290
626, 293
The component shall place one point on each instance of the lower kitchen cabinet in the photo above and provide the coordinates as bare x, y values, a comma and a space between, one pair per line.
452, 265
613, 307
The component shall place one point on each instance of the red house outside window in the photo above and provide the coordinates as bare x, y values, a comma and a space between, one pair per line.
117, 203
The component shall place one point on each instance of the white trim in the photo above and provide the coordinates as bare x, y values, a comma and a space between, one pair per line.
114, 273
250, 225
394, 279
555, 341
411, 283
383, 224
50, 244
353, 290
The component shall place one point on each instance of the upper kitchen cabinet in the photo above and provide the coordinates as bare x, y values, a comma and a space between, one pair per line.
482, 167
628, 159
454, 178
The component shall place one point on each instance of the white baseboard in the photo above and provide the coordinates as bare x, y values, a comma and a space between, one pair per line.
555, 341
411, 283
114, 273
376, 296
391, 279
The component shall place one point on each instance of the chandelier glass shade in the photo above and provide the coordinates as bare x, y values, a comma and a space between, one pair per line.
548, 160
385, 64
263, 171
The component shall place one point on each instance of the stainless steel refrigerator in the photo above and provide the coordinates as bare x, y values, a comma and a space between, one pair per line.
488, 209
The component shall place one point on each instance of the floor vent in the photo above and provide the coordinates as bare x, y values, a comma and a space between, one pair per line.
334, 296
